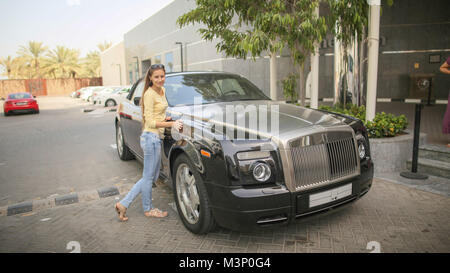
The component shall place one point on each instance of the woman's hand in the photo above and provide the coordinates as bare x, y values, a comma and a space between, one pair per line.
177, 125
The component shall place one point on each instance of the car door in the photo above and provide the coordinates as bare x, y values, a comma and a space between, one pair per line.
134, 124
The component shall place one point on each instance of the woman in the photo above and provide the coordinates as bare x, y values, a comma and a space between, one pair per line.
153, 106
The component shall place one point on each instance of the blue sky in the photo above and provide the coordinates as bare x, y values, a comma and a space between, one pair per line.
79, 24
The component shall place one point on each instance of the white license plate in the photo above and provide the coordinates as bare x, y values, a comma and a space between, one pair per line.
21, 103
321, 198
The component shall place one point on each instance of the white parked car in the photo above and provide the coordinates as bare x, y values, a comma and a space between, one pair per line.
101, 92
86, 94
109, 99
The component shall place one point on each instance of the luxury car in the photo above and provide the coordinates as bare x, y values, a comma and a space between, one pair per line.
112, 98
20, 103
244, 161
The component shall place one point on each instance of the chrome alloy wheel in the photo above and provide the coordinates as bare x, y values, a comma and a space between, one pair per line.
187, 194
119, 141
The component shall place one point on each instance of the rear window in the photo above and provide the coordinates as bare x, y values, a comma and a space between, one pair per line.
19, 96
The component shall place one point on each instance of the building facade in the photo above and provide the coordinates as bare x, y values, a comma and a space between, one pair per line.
113, 65
414, 42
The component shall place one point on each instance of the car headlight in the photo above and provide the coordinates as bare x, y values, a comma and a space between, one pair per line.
261, 172
362, 151
256, 167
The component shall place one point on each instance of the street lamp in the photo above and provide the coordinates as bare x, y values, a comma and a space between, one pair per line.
181, 51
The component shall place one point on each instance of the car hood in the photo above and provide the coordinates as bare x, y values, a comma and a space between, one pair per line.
288, 120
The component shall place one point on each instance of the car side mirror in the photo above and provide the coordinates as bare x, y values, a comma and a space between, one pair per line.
137, 101
34, 96
2, 98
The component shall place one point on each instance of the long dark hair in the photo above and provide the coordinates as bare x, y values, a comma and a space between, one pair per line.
148, 83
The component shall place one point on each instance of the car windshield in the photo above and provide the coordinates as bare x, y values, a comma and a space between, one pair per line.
19, 96
209, 88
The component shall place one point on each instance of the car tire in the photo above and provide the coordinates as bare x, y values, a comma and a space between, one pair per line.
36, 112
191, 197
110, 103
6, 114
122, 149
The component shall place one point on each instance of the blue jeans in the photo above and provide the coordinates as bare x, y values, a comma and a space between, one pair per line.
151, 146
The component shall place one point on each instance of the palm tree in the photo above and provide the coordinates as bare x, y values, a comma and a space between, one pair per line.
92, 64
33, 53
7, 63
62, 62
104, 46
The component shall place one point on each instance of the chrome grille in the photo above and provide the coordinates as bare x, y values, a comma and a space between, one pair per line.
323, 158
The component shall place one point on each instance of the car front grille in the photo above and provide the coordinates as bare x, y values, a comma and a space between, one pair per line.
323, 158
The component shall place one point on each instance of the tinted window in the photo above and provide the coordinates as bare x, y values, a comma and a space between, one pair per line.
209, 88
19, 96
139, 88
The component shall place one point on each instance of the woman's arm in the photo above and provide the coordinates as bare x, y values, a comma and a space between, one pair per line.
445, 67
177, 124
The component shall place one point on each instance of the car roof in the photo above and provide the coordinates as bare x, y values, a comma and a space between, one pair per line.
196, 73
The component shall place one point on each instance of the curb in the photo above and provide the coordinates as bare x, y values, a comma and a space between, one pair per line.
72, 198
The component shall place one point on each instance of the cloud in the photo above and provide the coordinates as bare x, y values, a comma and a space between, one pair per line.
73, 2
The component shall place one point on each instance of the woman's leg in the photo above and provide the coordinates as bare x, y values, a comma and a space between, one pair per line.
152, 156
137, 188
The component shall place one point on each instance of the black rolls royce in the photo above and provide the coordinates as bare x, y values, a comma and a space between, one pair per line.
242, 160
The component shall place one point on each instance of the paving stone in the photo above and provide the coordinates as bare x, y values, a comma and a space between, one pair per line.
404, 222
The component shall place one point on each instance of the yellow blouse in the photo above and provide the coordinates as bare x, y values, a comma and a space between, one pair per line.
155, 106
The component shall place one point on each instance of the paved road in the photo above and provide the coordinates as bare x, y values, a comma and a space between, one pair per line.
64, 150
59, 151
399, 218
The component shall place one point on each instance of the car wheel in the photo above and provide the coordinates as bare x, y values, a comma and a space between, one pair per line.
6, 114
191, 197
36, 112
123, 150
110, 103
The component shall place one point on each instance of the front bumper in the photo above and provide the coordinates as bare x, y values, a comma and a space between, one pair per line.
248, 209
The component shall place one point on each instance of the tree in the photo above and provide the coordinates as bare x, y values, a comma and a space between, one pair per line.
244, 27
7, 64
62, 62
104, 46
92, 64
33, 53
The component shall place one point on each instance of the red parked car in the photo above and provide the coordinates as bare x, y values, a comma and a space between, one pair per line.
19, 103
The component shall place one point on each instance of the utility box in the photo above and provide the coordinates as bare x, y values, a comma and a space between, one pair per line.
421, 86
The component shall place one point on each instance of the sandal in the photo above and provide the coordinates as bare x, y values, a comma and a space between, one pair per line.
156, 213
121, 213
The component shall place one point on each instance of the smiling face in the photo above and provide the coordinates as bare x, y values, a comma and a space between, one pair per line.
158, 77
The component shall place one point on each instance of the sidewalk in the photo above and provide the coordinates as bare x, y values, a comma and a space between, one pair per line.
399, 218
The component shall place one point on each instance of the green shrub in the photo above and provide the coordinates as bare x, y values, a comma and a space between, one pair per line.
383, 125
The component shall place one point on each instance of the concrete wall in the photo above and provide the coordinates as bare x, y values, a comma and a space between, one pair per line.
113, 65
55, 87
11, 86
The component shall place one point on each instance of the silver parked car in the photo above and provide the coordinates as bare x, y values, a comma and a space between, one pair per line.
244, 161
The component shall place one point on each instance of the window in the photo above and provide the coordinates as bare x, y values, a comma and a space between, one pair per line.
18, 96
169, 62
158, 59
208, 88
139, 89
